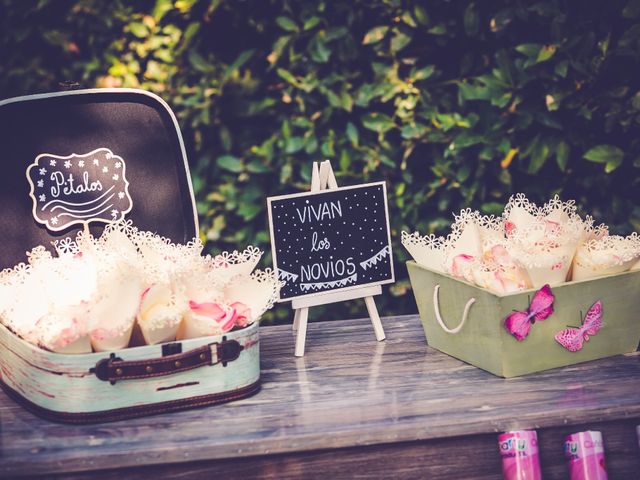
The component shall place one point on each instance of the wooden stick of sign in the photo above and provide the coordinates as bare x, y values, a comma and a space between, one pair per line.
323, 179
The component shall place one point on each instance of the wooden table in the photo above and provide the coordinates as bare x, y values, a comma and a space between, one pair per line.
350, 408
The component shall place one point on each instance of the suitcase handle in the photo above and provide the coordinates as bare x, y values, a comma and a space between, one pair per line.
113, 369
436, 308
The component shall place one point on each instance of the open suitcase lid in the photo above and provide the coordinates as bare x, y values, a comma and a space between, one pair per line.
93, 155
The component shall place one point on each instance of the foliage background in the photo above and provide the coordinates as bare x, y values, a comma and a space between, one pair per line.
454, 103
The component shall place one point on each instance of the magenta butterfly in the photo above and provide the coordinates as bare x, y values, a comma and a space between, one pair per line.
519, 323
571, 338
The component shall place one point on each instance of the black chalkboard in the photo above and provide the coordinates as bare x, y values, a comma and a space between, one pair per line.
78, 189
331, 240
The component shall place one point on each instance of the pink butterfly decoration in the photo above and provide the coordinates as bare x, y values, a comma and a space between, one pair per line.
519, 323
571, 338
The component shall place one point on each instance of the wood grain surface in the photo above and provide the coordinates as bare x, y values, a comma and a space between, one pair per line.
351, 405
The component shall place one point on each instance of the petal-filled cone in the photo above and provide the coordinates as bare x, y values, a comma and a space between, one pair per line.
81, 345
256, 295
425, 250
228, 271
585, 272
114, 314
159, 316
102, 341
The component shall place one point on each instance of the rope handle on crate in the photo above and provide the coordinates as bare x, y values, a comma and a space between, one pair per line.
436, 307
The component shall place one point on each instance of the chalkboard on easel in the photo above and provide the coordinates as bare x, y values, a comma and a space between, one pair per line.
331, 240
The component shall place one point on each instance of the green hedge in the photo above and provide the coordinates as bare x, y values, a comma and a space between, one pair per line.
454, 104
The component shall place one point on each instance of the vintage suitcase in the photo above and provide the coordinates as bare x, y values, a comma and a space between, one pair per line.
467, 322
139, 129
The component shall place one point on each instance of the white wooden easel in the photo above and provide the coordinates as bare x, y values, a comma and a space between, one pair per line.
323, 179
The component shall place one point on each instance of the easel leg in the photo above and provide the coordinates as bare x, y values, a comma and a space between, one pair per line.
301, 337
296, 319
375, 318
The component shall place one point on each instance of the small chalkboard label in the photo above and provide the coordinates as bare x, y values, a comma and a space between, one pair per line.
331, 240
78, 189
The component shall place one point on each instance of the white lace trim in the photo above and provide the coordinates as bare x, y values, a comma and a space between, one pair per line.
122, 250
540, 241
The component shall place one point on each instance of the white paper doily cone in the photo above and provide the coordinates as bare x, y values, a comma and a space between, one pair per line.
544, 264
64, 330
425, 250
225, 266
463, 245
499, 272
196, 326
609, 255
160, 314
81, 345
258, 292
112, 314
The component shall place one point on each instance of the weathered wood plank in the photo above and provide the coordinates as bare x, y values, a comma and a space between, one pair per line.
348, 392
472, 457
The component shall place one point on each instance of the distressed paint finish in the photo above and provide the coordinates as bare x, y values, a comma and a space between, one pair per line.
483, 341
352, 403
63, 383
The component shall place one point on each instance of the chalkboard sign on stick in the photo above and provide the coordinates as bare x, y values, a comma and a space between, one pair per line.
330, 245
331, 240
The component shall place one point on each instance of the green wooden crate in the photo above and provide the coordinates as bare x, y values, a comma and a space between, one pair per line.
484, 342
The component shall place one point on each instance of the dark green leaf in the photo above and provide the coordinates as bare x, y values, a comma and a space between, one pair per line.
635, 101
138, 29
230, 163
413, 131
294, 145
492, 208
375, 35
612, 164
604, 154
439, 29
423, 73
198, 62
256, 166
546, 53
287, 76
529, 49
286, 24
399, 41
562, 155
311, 22
378, 122
352, 134
238, 63
345, 161
249, 211
539, 156
421, 15
561, 68
471, 20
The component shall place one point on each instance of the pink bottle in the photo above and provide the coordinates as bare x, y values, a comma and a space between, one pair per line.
585, 456
520, 459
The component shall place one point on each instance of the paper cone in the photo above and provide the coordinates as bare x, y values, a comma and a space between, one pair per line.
225, 266
111, 315
425, 250
159, 314
610, 255
64, 331
196, 326
258, 292
109, 341
81, 345
153, 336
